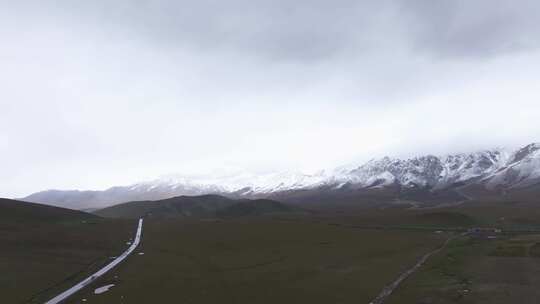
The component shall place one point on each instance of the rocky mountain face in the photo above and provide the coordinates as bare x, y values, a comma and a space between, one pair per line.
430, 171
494, 170
521, 170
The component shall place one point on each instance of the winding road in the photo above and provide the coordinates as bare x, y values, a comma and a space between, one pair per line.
64, 295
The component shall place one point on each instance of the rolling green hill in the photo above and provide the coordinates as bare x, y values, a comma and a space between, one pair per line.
194, 206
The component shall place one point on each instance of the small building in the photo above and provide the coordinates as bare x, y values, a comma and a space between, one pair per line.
484, 233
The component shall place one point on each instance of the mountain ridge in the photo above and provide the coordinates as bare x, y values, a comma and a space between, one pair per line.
494, 170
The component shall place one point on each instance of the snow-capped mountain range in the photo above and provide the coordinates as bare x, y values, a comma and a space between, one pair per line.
492, 169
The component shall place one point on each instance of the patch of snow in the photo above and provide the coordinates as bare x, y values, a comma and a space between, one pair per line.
103, 289
382, 180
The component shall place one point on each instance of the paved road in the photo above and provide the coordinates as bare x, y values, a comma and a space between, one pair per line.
61, 297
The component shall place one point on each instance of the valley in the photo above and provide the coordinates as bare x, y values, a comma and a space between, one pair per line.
269, 152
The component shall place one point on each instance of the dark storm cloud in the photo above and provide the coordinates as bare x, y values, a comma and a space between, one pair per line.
276, 30
308, 31
479, 28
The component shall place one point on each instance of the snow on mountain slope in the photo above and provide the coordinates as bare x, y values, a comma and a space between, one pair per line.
426, 171
521, 170
262, 183
494, 169
429, 171
461, 168
382, 180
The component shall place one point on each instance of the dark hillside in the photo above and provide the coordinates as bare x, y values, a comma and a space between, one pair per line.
255, 207
13, 210
195, 206
181, 206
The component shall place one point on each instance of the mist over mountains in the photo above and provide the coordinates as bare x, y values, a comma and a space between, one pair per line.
496, 170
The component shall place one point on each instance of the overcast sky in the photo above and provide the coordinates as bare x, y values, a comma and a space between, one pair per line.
101, 93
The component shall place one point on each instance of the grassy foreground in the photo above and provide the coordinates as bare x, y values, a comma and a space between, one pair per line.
260, 261
321, 257
478, 271
45, 250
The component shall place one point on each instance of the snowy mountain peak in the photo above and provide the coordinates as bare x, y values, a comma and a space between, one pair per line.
429, 171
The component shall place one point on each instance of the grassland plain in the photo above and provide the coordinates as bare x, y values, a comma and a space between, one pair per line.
260, 260
477, 271
46, 249
334, 256
481, 271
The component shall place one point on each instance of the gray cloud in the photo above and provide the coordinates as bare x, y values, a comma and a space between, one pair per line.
275, 30
308, 31
482, 28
